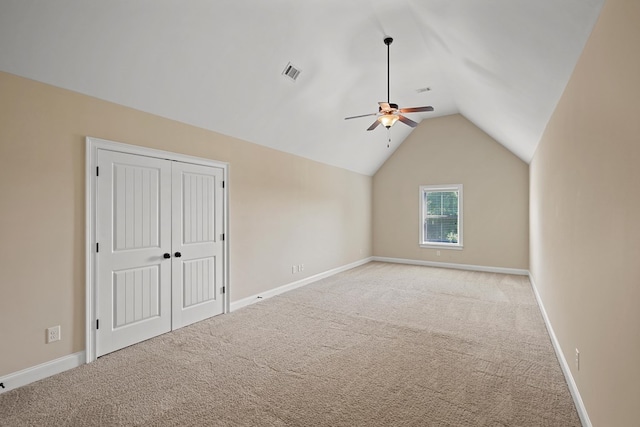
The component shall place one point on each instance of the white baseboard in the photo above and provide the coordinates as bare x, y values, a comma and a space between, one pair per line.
293, 285
44, 370
502, 270
39, 372
47, 369
573, 388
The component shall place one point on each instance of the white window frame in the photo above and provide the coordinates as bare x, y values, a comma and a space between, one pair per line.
441, 245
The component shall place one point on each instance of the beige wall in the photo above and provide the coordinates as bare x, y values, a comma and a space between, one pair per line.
585, 218
451, 150
284, 210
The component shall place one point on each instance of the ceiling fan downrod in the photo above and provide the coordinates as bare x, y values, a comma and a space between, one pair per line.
388, 41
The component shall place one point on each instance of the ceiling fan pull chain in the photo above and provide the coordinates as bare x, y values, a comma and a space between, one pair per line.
389, 133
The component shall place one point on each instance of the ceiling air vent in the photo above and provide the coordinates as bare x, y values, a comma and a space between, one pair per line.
291, 71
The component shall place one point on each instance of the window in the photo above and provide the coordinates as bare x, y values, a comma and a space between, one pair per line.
441, 216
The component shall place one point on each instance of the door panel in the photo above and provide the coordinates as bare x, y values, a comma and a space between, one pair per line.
135, 207
133, 231
198, 193
198, 284
197, 218
136, 295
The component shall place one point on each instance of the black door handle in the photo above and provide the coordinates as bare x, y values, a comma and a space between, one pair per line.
167, 256
177, 254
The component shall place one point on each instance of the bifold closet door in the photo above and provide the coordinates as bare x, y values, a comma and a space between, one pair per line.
197, 263
134, 237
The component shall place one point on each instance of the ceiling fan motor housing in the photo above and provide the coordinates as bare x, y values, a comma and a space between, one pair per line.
392, 107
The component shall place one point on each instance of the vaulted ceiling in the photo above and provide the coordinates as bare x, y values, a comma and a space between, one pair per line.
218, 64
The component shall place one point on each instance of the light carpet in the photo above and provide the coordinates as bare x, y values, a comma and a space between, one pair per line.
378, 345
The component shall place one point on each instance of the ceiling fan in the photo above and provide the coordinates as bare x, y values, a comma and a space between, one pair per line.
389, 113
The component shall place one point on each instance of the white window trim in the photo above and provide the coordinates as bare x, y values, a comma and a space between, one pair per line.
433, 245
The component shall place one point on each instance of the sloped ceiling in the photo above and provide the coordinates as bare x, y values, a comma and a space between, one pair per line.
218, 64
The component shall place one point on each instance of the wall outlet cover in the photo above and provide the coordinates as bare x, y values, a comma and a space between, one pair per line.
53, 334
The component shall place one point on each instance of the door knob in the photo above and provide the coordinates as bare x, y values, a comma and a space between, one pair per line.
167, 256
177, 254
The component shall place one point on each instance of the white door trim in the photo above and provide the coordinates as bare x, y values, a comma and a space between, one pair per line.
92, 147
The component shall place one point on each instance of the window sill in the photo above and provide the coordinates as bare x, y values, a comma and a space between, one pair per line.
441, 246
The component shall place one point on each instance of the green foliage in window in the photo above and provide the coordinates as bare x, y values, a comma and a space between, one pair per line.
441, 222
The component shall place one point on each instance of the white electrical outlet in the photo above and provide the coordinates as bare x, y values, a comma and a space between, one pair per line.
293, 269
578, 359
301, 267
437, 253
53, 334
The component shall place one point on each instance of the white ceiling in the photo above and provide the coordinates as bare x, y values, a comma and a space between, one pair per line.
218, 64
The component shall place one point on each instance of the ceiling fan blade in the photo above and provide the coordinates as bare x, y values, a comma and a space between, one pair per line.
374, 125
407, 121
357, 117
384, 105
416, 109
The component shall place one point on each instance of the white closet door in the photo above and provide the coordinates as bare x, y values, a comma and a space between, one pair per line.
134, 234
197, 263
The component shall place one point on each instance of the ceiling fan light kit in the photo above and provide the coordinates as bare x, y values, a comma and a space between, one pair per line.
387, 111
388, 120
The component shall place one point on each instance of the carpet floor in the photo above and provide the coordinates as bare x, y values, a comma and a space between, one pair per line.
378, 345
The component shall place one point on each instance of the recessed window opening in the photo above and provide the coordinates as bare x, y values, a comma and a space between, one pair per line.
441, 216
